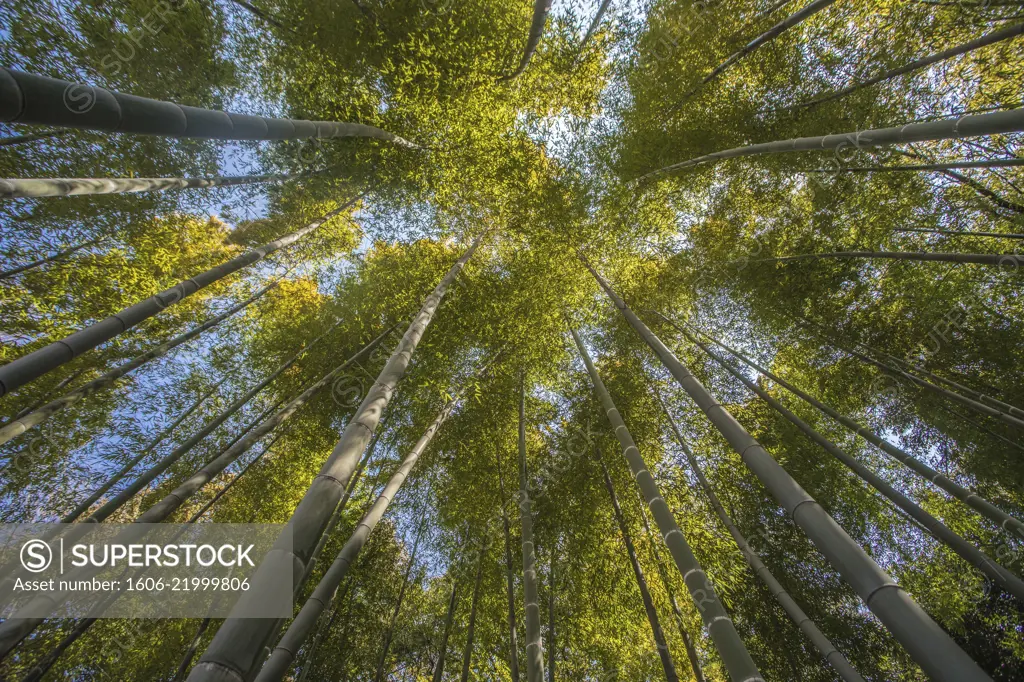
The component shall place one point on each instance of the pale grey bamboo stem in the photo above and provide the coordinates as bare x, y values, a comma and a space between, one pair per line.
37, 363
595, 22
61, 385
531, 600
236, 648
310, 656
223, 491
1000, 259
509, 577
552, 647
992, 163
284, 653
967, 233
981, 427
122, 498
168, 460
719, 625
939, 530
16, 628
1005, 521
84, 506
379, 675
1004, 407
177, 497
944, 129
938, 390
641, 581
933, 649
984, 191
25, 139
340, 509
691, 651
30, 98
442, 653
540, 17
772, 33
802, 620
49, 259
987, 39
467, 653
41, 414
20, 188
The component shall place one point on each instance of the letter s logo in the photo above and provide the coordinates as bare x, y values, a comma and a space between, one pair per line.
36, 556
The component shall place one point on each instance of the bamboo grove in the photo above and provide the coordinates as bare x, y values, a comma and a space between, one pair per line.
650, 340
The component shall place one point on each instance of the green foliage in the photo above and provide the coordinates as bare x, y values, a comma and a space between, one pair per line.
542, 165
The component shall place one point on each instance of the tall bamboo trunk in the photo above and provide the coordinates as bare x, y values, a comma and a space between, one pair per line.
37, 363
975, 405
193, 647
509, 580
39, 402
641, 581
1009, 260
115, 503
20, 188
340, 509
24, 422
966, 233
55, 102
540, 17
955, 127
691, 650
939, 530
467, 654
85, 505
49, 259
16, 628
551, 613
322, 631
934, 650
175, 455
987, 39
801, 619
379, 675
767, 36
1004, 407
915, 167
286, 650
224, 491
25, 139
238, 644
534, 646
595, 22
442, 652
257, 12
723, 633
984, 191
969, 498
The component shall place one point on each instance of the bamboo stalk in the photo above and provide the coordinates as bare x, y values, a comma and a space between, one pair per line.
934, 650
31, 98
969, 498
719, 625
25, 422
792, 608
238, 644
962, 126
37, 363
